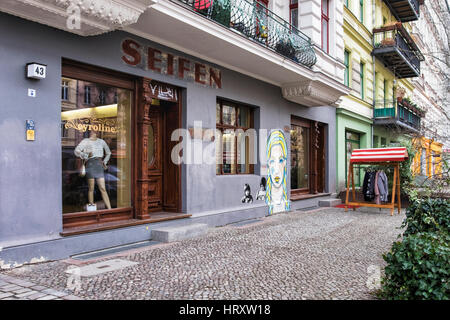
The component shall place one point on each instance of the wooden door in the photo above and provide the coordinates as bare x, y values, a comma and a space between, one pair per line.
155, 161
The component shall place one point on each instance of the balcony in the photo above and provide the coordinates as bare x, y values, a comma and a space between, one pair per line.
400, 114
397, 50
256, 22
405, 10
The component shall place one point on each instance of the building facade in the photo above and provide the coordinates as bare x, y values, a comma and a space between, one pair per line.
381, 60
194, 111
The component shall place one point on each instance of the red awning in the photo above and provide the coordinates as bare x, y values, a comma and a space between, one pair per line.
379, 155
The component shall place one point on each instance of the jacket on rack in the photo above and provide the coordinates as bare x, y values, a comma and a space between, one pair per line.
382, 184
369, 186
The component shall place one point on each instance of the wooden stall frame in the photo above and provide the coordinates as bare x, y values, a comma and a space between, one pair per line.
395, 188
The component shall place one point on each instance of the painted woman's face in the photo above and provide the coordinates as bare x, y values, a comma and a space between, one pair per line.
277, 163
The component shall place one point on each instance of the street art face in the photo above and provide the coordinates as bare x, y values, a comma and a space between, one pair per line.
276, 193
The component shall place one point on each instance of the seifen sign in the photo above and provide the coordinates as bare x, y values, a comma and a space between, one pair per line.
148, 58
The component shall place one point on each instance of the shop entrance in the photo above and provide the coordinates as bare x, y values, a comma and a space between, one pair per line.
159, 178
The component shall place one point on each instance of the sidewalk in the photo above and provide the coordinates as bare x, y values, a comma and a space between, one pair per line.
319, 254
16, 289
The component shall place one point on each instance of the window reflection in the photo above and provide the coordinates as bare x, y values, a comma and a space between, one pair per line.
95, 130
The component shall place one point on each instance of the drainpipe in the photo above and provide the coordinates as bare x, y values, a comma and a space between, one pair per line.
373, 75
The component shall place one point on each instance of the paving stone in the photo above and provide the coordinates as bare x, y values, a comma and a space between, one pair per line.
47, 297
38, 288
36, 295
54, 292
25, 294
21, 290
5, 295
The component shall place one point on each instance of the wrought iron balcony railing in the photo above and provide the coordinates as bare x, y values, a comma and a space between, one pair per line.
405, 10
397, 50
388, 112
258, 23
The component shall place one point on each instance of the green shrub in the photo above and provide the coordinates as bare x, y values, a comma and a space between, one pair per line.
427, 215
418, 268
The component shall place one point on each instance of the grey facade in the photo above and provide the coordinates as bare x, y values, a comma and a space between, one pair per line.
30, 171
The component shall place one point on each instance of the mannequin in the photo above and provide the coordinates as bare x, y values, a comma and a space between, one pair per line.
92, 150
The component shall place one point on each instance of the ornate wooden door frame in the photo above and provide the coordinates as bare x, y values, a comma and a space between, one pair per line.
146, 118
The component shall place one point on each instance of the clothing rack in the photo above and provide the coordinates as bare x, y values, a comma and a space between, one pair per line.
389, 157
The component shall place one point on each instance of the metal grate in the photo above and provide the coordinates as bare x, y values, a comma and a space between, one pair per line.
255, 21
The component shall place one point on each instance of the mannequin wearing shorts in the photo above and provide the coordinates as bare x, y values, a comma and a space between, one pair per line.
92, 150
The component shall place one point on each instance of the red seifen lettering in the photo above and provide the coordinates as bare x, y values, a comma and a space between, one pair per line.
182, 67
152, 59
217, 77
200, 73
130, 51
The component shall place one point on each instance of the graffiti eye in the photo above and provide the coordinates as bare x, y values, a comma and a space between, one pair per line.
271, 162
281, 160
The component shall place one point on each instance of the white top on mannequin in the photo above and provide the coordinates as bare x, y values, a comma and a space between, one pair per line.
95, 147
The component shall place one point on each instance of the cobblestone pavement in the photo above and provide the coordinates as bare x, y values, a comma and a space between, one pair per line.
320, 254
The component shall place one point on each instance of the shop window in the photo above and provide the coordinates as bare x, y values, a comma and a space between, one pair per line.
325, 22
293, 13
352, 142
98, 136
236, 143
347, 68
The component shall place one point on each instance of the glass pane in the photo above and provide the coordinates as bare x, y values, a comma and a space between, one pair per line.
229, 115
151, 145
97, 133
299, 157
218, 143
325, 35
229, 151
244, 117
351, 135
243, 152
294, 1
217, 113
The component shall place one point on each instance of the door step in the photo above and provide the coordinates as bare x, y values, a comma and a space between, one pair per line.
329, 202
171, 234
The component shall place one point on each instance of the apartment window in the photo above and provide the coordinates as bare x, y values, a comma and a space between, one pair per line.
325, 22
361, 11
383, 142
65, 90
347, 68
361, 76
385, 93
87, 95
235, 143
293, 13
